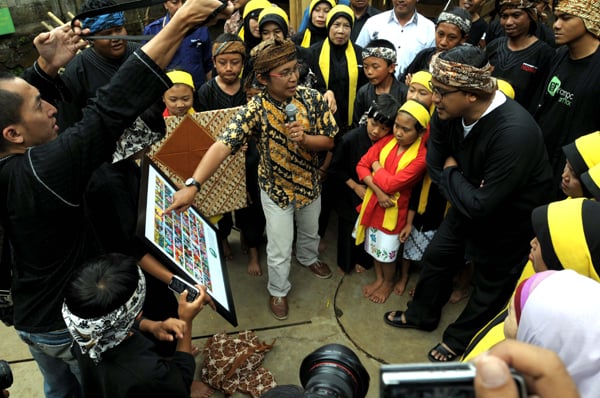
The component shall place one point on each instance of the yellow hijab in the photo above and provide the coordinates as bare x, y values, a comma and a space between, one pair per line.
352, 64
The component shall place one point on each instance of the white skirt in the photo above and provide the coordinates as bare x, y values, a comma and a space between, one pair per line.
381, 246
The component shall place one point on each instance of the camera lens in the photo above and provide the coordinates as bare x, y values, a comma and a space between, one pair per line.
334, 370
6, 377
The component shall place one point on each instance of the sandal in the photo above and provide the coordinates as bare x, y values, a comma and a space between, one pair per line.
447, 355
396, 320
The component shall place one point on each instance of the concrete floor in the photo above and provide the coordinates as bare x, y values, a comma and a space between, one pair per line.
321, 312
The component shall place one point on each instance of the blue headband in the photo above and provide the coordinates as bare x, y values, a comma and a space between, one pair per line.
103, 22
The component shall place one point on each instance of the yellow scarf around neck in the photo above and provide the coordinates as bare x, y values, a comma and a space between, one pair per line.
325, 63
390, 218
306, 39
424, 196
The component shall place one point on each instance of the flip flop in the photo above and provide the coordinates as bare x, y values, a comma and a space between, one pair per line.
442, 350
396, 321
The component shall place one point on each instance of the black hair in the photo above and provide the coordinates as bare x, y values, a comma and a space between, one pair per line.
461, 13
225, 37
384, 109
382, 43
10, 107
90, 5
466, 54
101, 285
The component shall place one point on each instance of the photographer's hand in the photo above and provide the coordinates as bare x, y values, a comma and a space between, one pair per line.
544, 372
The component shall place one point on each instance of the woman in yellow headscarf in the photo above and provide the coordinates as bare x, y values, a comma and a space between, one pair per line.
337, 63
249, 32
390, 169
316, 30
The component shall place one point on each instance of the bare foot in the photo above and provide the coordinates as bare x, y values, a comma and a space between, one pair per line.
380, 295
369, 289
359, 268
200, 390
253, 263
400, 286
459, 294
227, 252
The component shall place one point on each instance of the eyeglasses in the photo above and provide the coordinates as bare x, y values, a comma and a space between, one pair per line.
287, 73
440, 91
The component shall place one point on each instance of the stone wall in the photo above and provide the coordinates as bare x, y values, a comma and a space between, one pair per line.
17, 51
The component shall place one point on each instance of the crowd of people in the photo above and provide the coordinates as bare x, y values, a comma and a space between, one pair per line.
468, 149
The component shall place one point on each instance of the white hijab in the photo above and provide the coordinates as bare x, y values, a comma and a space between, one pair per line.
562, 314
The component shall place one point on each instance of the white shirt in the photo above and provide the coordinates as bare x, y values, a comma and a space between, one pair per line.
417, 34
499, 99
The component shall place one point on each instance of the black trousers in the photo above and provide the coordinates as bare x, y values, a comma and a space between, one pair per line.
349, 253
494, 280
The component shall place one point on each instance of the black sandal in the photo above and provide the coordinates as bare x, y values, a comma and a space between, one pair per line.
447, 355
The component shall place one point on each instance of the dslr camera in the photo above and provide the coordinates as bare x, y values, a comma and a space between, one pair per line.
332, 371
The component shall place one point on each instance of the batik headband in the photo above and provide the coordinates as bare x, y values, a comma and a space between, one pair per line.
272, 53
380, 52
588, 10
464, 76
463, 24
97, 335
103, 22
525, 5
229, 47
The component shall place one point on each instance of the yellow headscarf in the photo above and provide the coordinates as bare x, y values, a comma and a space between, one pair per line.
252, 5
306, 38
182, 77
351, 62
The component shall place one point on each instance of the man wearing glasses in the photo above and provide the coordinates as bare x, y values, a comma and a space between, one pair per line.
486, 154
288, 170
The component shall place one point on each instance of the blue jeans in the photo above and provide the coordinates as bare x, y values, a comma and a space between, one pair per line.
52, 352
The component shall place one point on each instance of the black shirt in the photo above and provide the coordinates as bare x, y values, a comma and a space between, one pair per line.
525, 69
133, 369
46, 222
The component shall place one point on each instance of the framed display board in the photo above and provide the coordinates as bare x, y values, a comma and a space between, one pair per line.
185, 241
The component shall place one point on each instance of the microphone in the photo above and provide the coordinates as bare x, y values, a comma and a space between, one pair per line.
290, 116
290, 111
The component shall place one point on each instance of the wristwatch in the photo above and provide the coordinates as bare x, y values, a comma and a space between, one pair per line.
190, 182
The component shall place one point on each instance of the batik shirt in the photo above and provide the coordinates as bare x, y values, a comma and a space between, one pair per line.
287, 172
